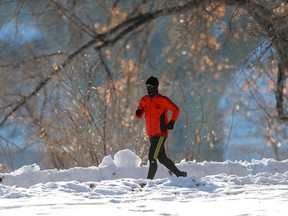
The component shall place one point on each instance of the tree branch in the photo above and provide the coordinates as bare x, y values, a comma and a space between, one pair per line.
119, 31
260, 14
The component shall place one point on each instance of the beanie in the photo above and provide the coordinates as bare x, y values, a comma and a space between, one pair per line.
152, 81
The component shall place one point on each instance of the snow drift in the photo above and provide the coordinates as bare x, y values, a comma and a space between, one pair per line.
127, 165
118, 186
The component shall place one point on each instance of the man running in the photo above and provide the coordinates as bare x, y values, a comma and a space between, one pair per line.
155, 106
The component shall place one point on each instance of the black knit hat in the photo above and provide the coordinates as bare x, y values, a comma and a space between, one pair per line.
152, 81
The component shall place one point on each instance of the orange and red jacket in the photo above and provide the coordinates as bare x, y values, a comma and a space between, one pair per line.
156, 114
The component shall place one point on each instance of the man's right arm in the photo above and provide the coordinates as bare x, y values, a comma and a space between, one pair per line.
140, 111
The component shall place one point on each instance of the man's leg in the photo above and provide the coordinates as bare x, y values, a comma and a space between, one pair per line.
168, 163
153, 154
152, 169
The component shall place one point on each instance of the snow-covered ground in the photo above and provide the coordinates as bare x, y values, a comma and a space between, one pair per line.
118, 187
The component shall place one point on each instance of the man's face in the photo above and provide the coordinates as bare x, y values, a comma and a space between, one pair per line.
152, 90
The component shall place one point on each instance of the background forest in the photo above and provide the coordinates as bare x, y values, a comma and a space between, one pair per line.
72, 73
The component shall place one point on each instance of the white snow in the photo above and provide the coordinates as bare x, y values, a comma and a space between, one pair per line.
118, 187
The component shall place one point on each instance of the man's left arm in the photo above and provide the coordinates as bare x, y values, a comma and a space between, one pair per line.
175, 113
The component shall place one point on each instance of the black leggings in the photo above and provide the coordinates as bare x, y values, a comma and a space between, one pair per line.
157, 151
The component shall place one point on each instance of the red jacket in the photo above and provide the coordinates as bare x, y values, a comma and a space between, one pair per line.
156, 114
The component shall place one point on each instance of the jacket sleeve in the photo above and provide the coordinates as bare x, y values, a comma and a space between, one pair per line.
174, 108
141, 107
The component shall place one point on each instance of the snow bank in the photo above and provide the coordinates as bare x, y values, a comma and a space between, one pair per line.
127, 165
119, 186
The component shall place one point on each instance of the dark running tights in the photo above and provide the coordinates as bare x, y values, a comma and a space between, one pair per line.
157, 151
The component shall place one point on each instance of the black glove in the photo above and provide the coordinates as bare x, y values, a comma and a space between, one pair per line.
170, 125
139, 112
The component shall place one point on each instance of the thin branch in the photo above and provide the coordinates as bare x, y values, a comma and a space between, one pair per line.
75, 20
33, 59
